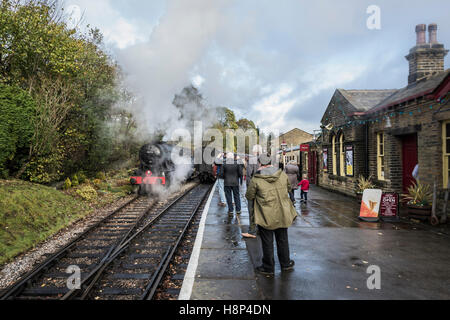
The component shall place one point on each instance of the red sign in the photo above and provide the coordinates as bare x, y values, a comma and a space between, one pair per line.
304, 148
389, 205
148, 179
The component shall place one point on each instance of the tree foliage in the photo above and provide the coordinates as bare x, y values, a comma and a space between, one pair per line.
17, 113
74, 85
226, 122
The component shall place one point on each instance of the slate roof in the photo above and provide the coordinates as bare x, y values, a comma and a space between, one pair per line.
364, 100
418, 89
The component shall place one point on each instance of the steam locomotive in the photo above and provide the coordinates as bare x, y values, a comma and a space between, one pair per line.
157, 167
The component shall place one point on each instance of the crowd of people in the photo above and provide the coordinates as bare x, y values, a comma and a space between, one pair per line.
270, 192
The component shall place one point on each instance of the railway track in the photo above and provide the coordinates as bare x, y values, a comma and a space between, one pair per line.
94, 251
135, 270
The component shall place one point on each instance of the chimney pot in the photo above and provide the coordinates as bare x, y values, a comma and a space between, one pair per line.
432, 29
421, 34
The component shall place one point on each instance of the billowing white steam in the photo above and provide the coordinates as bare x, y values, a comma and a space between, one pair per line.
162, 67
158, 70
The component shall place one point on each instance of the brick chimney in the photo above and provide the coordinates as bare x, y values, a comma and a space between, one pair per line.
426, 59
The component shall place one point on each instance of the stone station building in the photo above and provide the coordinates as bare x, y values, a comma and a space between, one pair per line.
387, 133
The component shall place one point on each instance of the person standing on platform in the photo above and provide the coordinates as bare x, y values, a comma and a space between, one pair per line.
220, 179
252, 168
293, 172
232, 173
274, 214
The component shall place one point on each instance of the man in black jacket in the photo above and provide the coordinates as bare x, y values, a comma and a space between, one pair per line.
232, 174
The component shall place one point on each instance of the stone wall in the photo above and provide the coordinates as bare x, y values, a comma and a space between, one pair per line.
296, 137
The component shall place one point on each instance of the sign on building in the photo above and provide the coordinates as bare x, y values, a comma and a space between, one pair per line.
349, 160
325, 160
304, 148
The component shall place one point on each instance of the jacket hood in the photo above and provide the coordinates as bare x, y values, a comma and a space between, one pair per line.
270, 175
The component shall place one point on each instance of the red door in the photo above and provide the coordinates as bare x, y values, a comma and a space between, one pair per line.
410, 159
312, 170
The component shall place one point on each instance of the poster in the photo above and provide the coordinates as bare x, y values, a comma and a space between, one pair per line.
370, 206
389, 206
349, 153
325, 160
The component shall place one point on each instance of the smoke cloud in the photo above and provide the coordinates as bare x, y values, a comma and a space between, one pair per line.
162, 67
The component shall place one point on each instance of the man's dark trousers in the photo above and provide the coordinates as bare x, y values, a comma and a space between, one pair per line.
230, 193
282, 239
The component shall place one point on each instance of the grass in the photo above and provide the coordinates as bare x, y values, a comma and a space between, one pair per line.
31, 213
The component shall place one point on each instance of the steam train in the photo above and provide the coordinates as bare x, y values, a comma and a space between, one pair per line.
157, 168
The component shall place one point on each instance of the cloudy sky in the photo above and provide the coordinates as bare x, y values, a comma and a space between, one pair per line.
275, 62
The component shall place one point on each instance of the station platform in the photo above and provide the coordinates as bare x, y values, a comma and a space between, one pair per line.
332, 249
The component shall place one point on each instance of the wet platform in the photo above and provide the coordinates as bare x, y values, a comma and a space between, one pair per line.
332, 250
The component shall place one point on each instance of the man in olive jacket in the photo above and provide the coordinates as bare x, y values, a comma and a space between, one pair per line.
274, 214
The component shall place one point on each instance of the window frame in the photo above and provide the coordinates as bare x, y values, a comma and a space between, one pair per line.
381, 160
334, 159
445, 155
343, 172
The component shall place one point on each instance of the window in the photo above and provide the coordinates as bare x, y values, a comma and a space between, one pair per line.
342, 155
334, 156
446, 151
380, 156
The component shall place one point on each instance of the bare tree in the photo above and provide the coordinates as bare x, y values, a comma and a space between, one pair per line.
53, 105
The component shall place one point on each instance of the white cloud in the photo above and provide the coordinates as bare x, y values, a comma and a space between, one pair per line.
123, 34
271, 111
117, 30
277, 63
74, 16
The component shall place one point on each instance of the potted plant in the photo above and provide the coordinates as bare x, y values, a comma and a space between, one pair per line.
363, 184
418, 200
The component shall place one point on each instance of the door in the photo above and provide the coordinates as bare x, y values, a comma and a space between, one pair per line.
410, 159
312, 170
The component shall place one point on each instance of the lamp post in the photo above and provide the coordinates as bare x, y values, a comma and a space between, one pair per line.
284, 148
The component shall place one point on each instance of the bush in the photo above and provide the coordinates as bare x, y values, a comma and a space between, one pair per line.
87, 193
17, 112
75, 182
97, 183
82, 177
46, 169
101, 176
364, 184
67, 184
